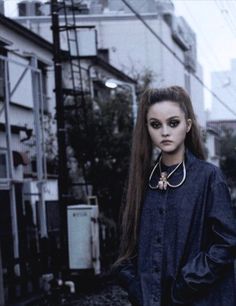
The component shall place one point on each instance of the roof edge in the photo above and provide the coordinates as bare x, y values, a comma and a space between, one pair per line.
20, 29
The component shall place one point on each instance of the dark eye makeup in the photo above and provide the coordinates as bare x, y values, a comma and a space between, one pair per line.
155, 124
172, 123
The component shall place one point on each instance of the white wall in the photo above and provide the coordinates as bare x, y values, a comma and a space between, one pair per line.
224, 84
22, 102
133, 49
197, 96
21, 49
210, 144
23, 44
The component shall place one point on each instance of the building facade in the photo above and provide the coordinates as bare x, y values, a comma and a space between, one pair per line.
29, 211
223, 85
168, 50
1, 7
27, 189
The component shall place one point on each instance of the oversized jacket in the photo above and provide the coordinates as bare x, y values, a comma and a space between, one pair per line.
187, 242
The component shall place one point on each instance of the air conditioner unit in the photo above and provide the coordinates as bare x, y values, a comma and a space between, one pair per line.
83, 237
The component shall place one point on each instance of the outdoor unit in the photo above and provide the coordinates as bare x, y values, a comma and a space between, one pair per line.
83, 237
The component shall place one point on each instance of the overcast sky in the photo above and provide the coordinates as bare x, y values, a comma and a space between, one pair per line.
214, 22
215, 25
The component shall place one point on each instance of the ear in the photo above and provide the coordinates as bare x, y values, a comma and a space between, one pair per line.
189, 125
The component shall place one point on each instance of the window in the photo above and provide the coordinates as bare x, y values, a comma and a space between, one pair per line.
104, 54
217, 146
3, 52
22, 9
3, 165
43, 68
1, 80
187, 82
4, 169
38, 9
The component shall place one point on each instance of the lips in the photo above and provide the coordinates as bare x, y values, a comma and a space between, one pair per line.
166, 142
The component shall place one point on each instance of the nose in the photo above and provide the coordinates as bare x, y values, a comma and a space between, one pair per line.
165, 131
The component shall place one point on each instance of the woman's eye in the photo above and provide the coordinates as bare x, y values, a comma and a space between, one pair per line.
174, 123
155, 125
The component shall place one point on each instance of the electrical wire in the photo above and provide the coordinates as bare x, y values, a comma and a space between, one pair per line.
229, 16
177, 57
231, 90
226, 15
172, 52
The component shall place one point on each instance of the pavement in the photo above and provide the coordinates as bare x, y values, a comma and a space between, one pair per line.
106, 295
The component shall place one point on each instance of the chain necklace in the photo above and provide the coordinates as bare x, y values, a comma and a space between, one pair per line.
164, 176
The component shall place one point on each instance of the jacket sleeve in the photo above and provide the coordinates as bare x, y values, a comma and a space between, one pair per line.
127, 278
208, 266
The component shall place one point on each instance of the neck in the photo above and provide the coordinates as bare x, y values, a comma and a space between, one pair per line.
170, 159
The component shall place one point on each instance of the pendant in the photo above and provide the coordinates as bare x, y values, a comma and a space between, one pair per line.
164, 176
162, 184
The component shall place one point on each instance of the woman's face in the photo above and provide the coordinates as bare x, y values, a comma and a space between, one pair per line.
167, 126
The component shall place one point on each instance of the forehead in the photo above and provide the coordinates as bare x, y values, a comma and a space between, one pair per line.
165, 109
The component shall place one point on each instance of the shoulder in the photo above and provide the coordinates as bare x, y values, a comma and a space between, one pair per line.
208, 170
207, 166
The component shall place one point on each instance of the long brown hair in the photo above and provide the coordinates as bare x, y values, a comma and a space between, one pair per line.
141, 159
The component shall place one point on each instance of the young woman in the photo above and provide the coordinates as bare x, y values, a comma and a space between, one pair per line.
179, 228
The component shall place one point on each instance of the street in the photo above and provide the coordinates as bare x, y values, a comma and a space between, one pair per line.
103, 294
109, 295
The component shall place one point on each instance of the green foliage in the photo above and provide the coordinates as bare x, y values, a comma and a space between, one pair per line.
100, 134
101, 140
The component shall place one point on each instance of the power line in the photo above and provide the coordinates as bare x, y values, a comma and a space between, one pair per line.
226, 15
231, 90
230, 8
177, 57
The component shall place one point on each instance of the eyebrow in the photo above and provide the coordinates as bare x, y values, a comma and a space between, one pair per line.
170, 118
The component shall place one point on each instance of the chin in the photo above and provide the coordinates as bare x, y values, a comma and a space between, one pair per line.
169, 149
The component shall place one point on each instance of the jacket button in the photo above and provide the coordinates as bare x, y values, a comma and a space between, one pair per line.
161, 211
157, 269
158, 239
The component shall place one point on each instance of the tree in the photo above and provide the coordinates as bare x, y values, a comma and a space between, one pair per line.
228, 154
100, 137
101, 142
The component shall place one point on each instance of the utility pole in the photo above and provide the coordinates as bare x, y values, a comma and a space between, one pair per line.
61, 133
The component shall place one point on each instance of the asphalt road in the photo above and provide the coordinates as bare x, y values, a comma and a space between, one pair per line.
110, 295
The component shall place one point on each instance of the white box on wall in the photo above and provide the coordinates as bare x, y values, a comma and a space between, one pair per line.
83, 237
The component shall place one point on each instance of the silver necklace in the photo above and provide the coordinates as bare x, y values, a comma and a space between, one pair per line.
164, 176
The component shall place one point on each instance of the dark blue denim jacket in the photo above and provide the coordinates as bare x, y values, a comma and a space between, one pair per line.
187, 243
